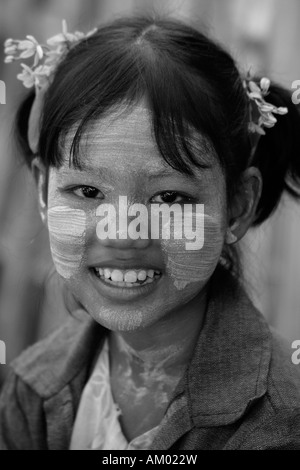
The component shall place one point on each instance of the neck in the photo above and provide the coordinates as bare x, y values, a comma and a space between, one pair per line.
165, 346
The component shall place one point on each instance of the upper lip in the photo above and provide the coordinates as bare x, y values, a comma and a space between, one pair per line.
126, 264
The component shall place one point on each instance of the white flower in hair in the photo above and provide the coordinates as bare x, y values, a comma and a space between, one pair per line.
46, 56
256, 94
65, 36
29, 47
37, 77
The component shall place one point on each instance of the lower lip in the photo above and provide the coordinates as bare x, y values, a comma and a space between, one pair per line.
114, 292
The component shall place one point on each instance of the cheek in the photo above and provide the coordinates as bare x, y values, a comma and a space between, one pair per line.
189, 265
67, 229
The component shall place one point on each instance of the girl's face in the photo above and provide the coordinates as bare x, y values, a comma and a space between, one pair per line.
126, 283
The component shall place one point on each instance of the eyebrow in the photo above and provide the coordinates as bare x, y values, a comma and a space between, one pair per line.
106, 172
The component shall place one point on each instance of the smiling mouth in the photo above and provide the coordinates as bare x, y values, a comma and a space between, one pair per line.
127, 278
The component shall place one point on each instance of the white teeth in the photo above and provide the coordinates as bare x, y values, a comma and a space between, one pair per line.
117, 276
130, 276
107, 273
142, 275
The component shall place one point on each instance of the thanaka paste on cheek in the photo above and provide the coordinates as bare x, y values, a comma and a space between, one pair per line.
67, 229
187, 266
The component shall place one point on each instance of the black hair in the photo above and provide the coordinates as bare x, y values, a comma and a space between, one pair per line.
189, 81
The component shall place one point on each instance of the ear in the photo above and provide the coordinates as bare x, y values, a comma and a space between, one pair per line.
242, 211
40, 175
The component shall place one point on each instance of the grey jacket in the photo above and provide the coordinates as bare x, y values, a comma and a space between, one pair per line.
240, 390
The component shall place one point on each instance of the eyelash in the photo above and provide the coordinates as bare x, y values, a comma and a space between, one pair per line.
76, 188
185, 198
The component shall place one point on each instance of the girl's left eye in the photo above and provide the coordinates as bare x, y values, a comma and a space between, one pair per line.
171, 197
87, 192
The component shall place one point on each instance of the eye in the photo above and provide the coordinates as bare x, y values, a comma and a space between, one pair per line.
87, 192
171, 197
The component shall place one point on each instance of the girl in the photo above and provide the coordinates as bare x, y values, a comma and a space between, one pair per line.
164, 350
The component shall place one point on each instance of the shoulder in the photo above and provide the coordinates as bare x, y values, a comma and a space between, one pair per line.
253, 369
274, 420
44, 386
21, 410
51, 363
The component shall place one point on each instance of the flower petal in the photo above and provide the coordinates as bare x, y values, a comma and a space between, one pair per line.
254, 95
10, 49
265, 84
36, 60
64, 27
282, 110
254, 88
269, 124
28, 81
40, 51
26, 45
259, 130
26, 54
56, 40
27, 68
78, 35
269, 118
267, 108
9, 59
251, 127
32, 39
9, 42
90, 33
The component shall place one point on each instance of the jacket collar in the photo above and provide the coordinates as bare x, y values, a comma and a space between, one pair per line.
64, 357
229, 368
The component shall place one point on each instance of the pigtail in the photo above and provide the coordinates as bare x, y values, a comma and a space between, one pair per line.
21, 128
278, 155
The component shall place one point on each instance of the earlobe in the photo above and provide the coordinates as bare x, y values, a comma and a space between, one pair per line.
245, 205
230, 235
39, 173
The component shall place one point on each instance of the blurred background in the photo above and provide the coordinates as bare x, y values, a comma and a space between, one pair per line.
263, 34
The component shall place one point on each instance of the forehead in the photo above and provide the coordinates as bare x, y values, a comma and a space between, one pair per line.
123, 142
123, 139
